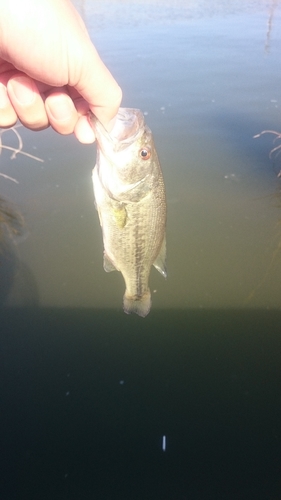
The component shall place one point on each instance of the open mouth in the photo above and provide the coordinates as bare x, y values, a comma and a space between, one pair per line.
129, 125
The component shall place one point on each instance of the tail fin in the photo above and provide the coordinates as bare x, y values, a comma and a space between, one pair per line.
139, 305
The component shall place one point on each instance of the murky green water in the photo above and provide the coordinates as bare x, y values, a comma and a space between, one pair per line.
204, 367
209, 80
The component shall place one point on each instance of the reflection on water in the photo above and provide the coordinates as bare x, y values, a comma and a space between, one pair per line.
137, 12
270, 23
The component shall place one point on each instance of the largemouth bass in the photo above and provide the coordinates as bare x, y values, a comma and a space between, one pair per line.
130, 199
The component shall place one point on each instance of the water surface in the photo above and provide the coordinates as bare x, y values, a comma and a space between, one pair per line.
208, 77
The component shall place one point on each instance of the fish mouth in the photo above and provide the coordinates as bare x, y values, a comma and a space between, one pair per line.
129, 125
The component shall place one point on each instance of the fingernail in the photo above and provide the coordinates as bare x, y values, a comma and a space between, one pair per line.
61, 108
4, 99
22, 89
83, 131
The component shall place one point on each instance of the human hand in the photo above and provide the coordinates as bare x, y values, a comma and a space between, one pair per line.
50, 72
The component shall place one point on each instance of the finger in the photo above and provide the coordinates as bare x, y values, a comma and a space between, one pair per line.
61, 112
27, 102
106, 112
8, 116
83, 131
98, 87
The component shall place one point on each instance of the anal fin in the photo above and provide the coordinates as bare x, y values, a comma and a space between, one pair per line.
107, 264
160, 261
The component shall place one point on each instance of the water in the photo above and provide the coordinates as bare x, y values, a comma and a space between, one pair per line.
87, 392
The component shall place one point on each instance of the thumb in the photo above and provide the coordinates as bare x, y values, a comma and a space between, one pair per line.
98, 87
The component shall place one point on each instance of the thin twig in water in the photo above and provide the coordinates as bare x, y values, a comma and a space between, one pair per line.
278, 136
268, 132
9, 178
17, 150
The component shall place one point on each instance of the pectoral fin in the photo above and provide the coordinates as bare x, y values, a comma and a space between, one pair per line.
107, 264
160, 262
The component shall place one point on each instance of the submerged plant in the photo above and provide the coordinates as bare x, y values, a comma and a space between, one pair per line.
11, 221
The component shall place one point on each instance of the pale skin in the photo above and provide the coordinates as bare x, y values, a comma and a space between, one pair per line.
50, 72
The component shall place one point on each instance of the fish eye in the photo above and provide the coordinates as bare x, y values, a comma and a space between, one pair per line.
145, 153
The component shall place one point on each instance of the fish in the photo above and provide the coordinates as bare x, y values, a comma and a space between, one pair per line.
130, 199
